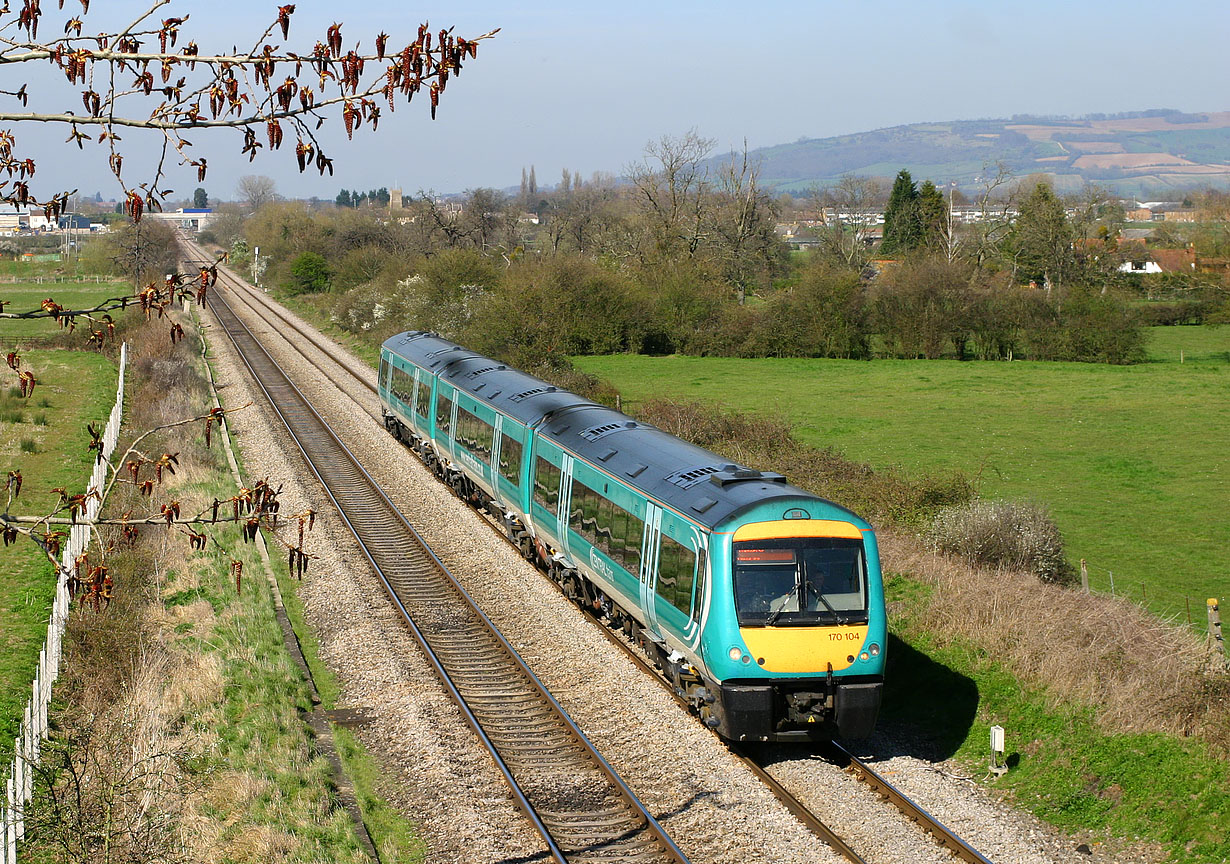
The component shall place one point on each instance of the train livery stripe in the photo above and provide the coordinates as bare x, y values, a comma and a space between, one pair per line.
797, 528
804, 649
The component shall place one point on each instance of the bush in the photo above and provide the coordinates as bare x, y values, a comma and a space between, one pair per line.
309, 274
1004, 534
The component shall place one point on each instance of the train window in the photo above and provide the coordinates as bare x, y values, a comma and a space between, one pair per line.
800, 581
383, 380
698, 598
633, 537
444, 413
420, 407
606, 518
510, 459
401, 386
619, 534
676, 573
606, 526
474, 434
546, 485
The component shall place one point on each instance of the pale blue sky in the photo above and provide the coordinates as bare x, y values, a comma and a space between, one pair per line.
584, 87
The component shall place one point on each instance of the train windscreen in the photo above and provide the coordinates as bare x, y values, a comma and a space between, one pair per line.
800, 581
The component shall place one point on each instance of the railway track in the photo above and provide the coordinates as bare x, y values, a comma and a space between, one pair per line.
578, 804
835, 753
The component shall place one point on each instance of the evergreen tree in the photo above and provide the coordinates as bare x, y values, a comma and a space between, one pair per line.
343, 199
525, 188
200, 199
533, 184
1042, 239
901, 226
932, 216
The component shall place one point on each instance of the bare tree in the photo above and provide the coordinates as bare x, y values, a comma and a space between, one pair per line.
743, 221
994, 213
132, 79
256, 190
672, 186
849, 210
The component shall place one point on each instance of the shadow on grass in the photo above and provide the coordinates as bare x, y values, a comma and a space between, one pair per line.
928, 708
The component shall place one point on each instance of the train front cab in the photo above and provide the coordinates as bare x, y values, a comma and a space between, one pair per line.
801, 651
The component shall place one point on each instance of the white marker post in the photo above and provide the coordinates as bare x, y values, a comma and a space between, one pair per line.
999, 766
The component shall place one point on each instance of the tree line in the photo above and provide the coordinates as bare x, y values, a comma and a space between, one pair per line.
683, 255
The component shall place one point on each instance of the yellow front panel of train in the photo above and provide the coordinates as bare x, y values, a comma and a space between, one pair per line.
804, 649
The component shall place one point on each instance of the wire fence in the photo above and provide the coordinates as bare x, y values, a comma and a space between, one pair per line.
11, 279
19, 785
1202, 613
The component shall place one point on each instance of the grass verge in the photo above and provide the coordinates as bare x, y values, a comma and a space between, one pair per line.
180, 706
1065, 766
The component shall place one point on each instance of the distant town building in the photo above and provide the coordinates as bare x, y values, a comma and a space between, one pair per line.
187, 218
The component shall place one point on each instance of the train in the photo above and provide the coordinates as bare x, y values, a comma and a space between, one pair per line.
761, 603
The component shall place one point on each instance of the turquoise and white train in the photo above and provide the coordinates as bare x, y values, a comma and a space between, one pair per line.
762, 603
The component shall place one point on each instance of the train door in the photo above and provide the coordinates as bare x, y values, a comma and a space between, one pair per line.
497, 444
565, 504
649, 567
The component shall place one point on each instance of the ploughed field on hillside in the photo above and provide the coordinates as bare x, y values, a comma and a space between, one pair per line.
1155, 151
1132, 461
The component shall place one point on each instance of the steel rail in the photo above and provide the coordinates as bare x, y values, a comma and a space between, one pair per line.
304, 423
239, 283
946, 837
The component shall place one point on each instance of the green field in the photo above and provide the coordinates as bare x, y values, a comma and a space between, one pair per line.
44, 436
27, 296
1133, 461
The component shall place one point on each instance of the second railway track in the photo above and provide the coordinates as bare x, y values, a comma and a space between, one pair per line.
583, 810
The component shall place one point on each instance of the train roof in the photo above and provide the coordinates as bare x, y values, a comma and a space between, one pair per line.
696, 482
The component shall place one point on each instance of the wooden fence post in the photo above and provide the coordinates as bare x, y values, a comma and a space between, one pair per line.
1084, 576
1215, 627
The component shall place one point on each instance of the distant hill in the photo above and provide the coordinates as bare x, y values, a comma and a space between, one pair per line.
1149, 154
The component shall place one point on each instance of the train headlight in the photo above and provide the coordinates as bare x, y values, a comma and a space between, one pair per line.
873, 649
735, 652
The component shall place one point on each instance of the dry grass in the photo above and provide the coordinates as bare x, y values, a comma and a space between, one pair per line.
1142, 674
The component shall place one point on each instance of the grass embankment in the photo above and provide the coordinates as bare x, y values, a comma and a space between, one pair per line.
1131, 460
193, 678
44, 437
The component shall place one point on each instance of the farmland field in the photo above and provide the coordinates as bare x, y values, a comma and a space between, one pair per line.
1133, 461
44, 436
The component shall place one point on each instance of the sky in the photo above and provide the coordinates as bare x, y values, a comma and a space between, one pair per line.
585, 87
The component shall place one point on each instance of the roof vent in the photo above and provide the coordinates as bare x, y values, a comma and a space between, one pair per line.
484, 371
689, 477
593, 433
526, 394
735, 474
